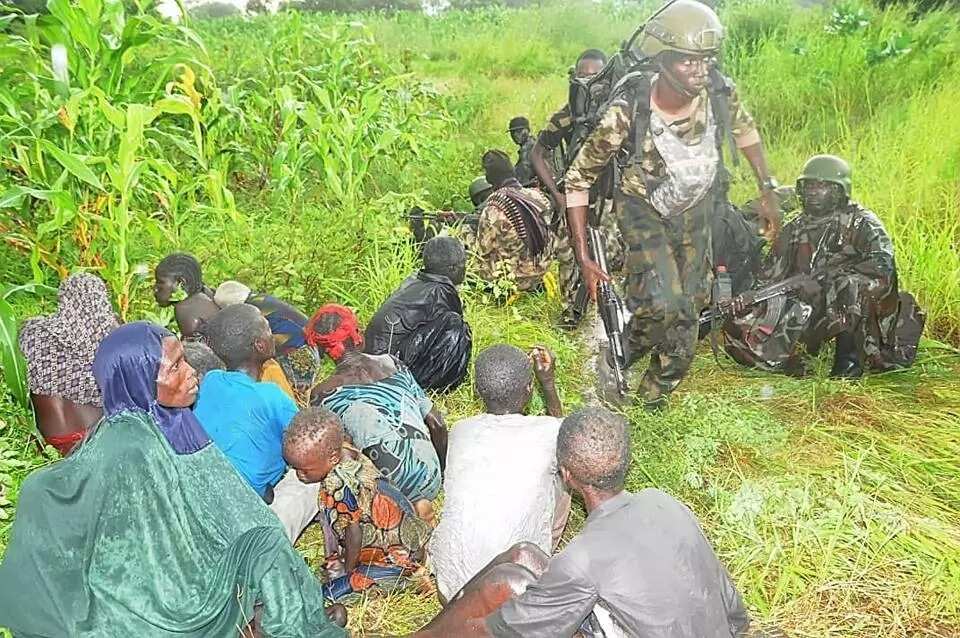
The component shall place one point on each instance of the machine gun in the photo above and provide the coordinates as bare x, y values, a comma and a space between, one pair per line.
425, 225
727, 307
611, 309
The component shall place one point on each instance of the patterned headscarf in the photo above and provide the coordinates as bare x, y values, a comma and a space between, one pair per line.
59, 348
333, 342
126, 367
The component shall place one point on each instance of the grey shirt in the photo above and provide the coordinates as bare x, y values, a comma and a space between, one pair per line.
643, 558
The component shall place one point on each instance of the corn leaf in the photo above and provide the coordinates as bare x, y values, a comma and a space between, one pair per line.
12, 361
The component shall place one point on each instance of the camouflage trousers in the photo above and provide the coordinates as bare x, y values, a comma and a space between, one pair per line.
569, 269
667, 282
769, 336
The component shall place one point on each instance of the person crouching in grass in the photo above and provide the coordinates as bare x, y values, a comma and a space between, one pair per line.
372, 534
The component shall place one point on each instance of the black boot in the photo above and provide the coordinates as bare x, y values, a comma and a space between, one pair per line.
846, 360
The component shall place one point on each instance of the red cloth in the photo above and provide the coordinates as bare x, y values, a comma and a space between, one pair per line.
333, 343
65, 442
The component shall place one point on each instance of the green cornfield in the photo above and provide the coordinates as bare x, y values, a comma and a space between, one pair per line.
284, 150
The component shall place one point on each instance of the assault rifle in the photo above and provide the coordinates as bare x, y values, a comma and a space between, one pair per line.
611, 310
425, 225
726, 308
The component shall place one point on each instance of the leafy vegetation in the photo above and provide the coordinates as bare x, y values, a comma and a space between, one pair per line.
282, 151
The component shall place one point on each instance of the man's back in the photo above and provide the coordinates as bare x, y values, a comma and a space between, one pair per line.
644, 559
503, 250
419, 299
246, 419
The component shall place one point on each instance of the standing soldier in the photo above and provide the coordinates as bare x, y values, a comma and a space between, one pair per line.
519, 129
551, 155
665, 125
847, 288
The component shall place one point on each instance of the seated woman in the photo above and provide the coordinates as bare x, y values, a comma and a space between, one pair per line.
179, 282
385, 413
59, 351
372, 536
146, 529
297, 360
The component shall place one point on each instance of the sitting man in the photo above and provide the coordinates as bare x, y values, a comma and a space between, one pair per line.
246, 417
372, 534
846, 287
179, 282
386, 414
641, 564
422, 322
502, 486
519, 129
513, 239
298, 362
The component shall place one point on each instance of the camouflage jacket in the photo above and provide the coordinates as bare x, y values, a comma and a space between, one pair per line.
524, 167
614, 131
500, 252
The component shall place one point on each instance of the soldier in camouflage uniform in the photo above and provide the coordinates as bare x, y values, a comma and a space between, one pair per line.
513, 238
550, 163
519, 129
665, 131
851, 294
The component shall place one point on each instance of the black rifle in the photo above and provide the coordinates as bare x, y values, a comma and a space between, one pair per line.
727, 308
611, 310
425, 225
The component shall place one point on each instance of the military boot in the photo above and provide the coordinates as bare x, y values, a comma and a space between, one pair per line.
846, 359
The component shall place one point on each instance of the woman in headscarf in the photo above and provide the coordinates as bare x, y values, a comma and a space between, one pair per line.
146, 529
384, 411
59, 351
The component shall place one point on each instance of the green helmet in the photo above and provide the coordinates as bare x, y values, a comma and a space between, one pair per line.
685, 26
827, 168
477, 186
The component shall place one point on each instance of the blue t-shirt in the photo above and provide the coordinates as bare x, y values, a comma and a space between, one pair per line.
246, 419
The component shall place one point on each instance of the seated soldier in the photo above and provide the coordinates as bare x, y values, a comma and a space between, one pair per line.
422, 322
246, 417
372, 534
386, 414
519, 129
502, 486
641, 566
842, 258
298, 362
480, 190
59, 353
179, 282
513, 239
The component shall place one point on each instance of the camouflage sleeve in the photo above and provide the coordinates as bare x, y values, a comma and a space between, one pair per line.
557, 129
744, 129
874, 247
778, 264
599, 148
497, 242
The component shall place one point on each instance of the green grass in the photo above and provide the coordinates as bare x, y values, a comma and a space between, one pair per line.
835, 505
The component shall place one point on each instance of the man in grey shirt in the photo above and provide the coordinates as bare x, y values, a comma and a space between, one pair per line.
641, 561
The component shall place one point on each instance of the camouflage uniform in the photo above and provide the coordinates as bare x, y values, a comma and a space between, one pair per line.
554, 137
667, 263
851, 256
499, 251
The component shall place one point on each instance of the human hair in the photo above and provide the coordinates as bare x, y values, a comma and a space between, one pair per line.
592, 54
502, 376
312, 427
201, 358
183, 267
232, 334
497, 167
594, 445
444, 256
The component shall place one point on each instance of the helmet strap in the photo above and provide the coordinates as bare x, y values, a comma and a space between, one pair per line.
674, 83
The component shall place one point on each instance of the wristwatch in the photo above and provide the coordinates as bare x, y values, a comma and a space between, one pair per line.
769, 184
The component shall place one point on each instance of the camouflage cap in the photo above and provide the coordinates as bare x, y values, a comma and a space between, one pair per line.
684, 26
827, 168
518, 123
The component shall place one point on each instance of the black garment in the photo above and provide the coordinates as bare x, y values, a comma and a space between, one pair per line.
422, 324
524, 167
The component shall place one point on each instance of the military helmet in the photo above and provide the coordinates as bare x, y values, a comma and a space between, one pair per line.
827, 168
684, 26
518, 123
479, 185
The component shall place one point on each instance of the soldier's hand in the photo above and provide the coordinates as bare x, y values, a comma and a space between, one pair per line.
592, 275
742, 303
559, 201
769, 214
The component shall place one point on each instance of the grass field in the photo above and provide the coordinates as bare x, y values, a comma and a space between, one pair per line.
836, 505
